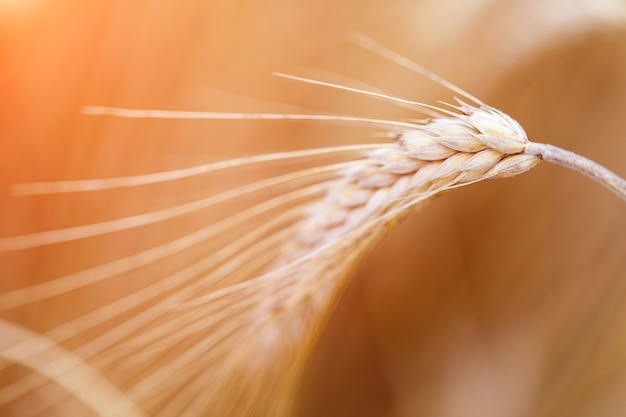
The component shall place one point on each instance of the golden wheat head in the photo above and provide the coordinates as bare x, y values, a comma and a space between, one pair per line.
230, 332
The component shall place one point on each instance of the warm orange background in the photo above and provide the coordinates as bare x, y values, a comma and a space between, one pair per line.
506, 298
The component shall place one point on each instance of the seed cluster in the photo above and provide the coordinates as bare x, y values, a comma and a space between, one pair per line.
440, 153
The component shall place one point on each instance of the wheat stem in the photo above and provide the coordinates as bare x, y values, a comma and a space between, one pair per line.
579, 163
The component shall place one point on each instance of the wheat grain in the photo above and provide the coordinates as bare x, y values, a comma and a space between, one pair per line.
252, 310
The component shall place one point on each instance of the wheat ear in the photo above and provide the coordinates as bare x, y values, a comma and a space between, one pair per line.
231, 333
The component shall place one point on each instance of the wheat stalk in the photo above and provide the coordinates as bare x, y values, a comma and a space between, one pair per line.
231, 333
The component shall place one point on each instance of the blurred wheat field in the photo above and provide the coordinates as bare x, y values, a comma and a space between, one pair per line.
503, 298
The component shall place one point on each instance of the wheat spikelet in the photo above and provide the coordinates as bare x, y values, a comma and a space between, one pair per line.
231, 331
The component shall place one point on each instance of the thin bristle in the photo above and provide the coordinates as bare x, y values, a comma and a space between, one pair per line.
72, 282
69, 371
371, 45
207, 115
138, 180
415, 105
95, 229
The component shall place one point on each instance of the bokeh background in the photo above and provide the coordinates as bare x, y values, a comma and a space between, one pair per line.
504, 298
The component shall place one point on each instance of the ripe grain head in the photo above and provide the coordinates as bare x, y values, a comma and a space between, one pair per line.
272, 278
309, 249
